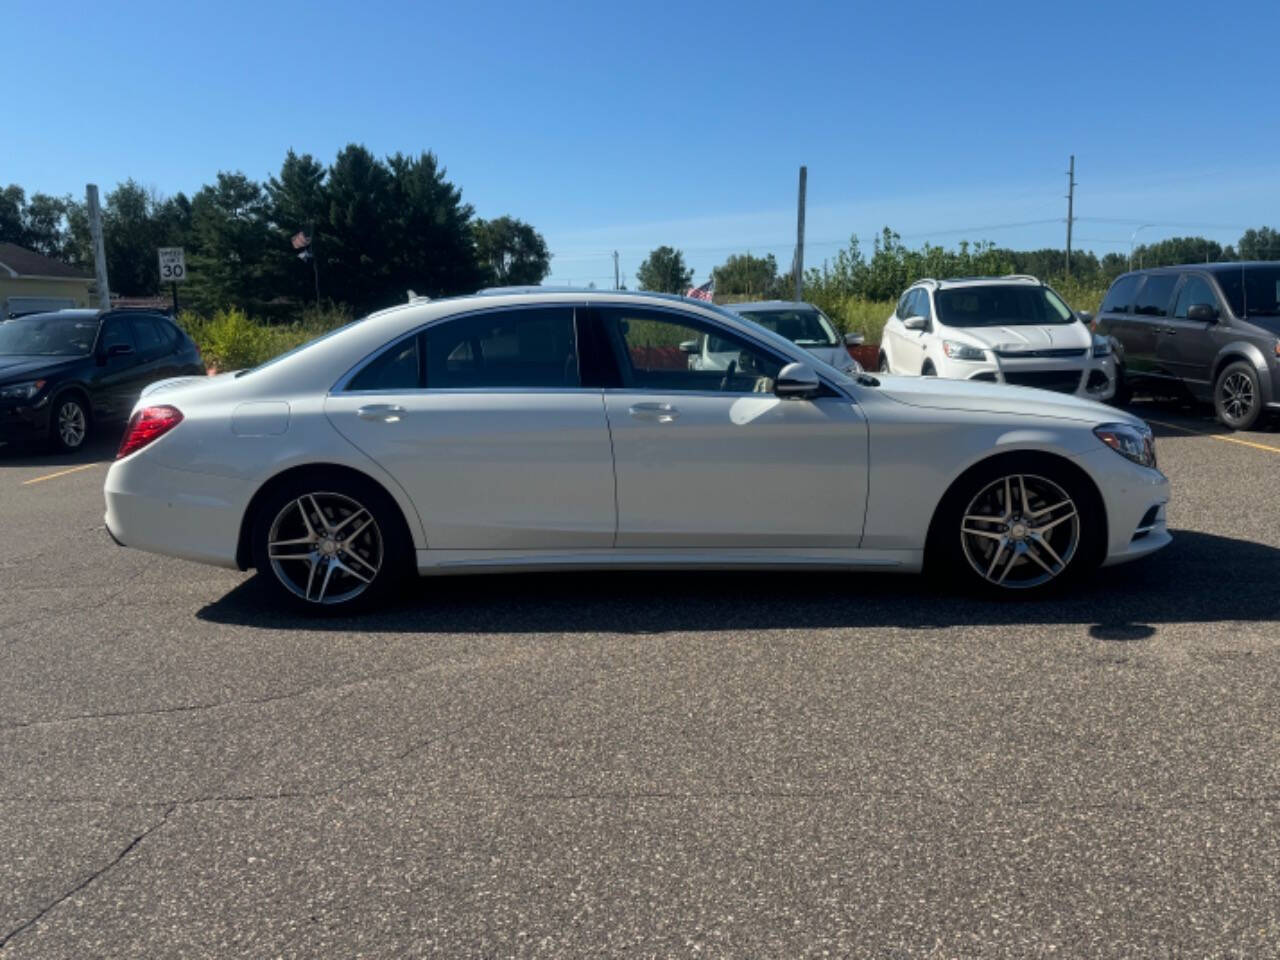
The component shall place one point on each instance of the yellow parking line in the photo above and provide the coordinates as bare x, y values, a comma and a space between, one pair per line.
60, 473
1215, 436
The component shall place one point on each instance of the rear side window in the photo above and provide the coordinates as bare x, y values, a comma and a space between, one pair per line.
115, 332
533, 347
1153, 297
1120, 296
397, 368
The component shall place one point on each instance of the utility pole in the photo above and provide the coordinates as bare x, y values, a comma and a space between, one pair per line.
799, 264
99, 248
1071, 197
616, 281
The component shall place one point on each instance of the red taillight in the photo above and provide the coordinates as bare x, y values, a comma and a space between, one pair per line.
148, 424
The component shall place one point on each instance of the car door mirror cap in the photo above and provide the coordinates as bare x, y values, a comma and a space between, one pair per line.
915, 323
1203, 313
689, 346
1084, 316
797, 381
854, 339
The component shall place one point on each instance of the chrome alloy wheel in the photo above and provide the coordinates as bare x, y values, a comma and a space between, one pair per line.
325, 547
71, 424
1237, 396
1020, 531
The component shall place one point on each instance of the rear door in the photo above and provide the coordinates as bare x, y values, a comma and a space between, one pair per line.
484, 421
713, 458
155, 350
1151, 308
1188, 347
120, 373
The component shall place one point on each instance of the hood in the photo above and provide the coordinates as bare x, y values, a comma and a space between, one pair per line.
837, 356
1038, 337
981, 397
25, 367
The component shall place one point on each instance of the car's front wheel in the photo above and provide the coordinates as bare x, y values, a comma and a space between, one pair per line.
331, 543
68, 423
1237, 399
1020, 524
884, 363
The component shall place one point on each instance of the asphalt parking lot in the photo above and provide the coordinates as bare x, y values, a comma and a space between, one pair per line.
645, 765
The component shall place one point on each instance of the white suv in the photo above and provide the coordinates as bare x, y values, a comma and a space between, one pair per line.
1010, 329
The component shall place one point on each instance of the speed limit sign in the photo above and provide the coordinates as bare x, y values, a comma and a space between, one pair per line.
173, 265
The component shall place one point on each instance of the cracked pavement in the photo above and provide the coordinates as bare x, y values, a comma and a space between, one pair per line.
650, 764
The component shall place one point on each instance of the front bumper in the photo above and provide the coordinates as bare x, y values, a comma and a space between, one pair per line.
1087, 377
24, 422
1135, 499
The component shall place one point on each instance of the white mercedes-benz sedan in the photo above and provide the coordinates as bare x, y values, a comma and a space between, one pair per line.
558, 430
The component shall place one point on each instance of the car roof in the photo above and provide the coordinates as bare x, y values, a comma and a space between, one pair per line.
70, 313
1025, 279
759, 306
1218, 267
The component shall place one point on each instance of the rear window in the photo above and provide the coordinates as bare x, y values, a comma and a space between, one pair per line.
1120, 297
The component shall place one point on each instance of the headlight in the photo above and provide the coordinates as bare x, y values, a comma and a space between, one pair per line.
1132, 443
21, 391
962, 351
1101, 346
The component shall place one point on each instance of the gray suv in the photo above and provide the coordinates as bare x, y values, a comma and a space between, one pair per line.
1212, 329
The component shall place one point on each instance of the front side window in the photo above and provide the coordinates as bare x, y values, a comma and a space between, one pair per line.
1001, 305
648, 343
904, 305
1195, 290
806, 327
532, 347
115, 333
1153, 298
1120, 297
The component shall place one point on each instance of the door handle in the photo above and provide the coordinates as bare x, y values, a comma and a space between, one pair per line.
381, 412
658, 412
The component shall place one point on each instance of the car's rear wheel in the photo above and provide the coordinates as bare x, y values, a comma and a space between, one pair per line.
1020, 524
1237, 398
331, 543
68, 423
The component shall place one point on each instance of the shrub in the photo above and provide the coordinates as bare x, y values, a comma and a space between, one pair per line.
232, 340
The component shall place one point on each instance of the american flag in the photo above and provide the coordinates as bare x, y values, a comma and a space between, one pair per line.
300, 240
703, 292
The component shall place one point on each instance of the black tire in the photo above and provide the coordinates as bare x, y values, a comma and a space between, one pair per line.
928, 370
1029, 553
1237, 396
341, 547
884, 363
1124, 393
68, 423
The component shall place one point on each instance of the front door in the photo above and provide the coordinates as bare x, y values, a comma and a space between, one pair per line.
1188, 347
482, 419
713, 458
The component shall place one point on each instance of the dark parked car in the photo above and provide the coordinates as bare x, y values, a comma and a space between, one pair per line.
1212, 330
64, 374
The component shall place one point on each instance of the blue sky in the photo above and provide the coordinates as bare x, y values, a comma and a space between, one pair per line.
627, 126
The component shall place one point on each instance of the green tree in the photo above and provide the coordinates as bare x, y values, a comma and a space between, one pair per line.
1177, 250
747, 275
13, 202
297, 201
664, 271
1260, 244
511, 252
230, 237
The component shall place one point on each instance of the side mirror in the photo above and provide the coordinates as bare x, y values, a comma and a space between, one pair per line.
689, 346
1203, 312
915, 323
854, 339
796, 381
1084, 316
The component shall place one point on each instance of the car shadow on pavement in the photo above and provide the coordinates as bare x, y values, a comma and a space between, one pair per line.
1199, 577
100, 447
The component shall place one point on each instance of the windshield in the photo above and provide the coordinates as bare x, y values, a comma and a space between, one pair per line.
48, 335
1252, 291
1001, 305
805, 328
